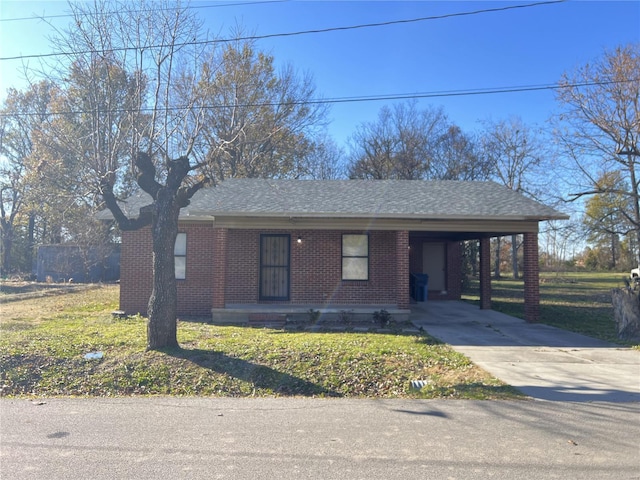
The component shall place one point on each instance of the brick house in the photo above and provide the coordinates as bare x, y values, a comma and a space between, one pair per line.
284, 246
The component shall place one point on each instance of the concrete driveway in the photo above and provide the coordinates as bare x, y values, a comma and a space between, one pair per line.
543, 362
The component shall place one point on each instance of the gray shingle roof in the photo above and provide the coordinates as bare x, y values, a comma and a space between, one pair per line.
361, 198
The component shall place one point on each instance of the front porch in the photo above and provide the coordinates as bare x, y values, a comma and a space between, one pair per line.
435, 255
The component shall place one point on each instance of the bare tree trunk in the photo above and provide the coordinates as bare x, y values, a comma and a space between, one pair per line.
163, 303
31, 241
473, 256
7, 244
496, 273
514, 256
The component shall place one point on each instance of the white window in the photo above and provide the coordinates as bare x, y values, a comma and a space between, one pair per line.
355, 257
180, 256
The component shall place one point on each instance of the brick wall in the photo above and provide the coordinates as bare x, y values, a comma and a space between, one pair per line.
194, 292
316, 268
402, 269
219, 267
531, 278
135, 271
454, 271
485, 273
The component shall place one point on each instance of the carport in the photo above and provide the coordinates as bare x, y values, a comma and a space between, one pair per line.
439, 254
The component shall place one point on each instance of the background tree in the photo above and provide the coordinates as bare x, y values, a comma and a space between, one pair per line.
325, 161
22, 117
262, 122
604, 217
599, 128
457, 156
407, 143
400, 144
514, 153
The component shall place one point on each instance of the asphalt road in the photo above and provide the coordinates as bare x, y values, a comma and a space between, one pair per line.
277, 438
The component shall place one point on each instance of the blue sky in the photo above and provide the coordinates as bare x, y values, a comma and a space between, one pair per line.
527, 46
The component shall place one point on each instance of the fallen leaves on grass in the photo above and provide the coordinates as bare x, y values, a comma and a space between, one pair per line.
44, 355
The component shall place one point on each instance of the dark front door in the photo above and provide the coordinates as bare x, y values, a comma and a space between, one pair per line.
274, 267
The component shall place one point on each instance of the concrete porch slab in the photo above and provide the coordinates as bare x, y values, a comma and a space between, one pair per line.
235, 314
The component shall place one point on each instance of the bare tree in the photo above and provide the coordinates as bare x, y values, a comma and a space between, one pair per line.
457, 156
145, 97
599, 127
400, 144
119, 119
325, 162
514, 153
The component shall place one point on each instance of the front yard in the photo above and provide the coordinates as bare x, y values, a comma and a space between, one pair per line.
45, 342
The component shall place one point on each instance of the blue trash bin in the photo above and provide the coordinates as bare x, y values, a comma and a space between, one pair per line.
421, 284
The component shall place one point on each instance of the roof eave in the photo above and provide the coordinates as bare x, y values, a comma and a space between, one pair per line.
202, 215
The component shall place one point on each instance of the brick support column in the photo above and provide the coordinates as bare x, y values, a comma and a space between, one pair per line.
454, 271
219, 283
402, 272
485, 273
531, 278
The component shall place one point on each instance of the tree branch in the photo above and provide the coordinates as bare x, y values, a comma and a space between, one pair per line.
146, 176
125, 223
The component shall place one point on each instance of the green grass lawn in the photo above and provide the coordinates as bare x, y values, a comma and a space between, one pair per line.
44, 341
578, 302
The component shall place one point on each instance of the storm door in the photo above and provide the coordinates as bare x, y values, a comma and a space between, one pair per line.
274, 267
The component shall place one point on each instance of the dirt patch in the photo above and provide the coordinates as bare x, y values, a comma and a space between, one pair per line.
11, 291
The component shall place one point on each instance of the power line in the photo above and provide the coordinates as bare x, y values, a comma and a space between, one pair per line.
353, 99
290, 34
189, 7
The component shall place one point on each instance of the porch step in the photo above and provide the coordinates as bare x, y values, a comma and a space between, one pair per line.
267, 320
278, 316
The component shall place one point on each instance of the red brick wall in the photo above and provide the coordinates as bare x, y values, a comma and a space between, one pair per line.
194, 292
219, 272
135, 271
402, 269
316, 268
485, 273
531, 278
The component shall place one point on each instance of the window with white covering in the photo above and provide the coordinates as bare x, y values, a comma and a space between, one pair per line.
355, 257
180, 256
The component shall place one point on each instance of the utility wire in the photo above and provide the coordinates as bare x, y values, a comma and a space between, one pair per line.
188, 7
354, 99
290, 34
